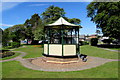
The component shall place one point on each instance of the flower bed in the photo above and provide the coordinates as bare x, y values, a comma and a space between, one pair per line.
6, 54
38, 46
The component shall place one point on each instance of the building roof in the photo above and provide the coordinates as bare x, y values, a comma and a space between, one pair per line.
81, 36
62, 21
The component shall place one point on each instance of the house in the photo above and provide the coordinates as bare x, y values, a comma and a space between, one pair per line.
82, 38
92, 36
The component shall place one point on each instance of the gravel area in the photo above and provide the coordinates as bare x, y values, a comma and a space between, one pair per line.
57, 66
46, 66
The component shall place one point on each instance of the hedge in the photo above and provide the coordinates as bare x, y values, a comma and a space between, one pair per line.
14, 44
83, 42
94, 41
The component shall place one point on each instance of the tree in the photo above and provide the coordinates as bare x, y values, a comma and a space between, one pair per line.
17, 32
108, 41
38, 33
34, 21
5, 37
28, 30
30, 25
1, 31
106, 16
52, 13
74, 21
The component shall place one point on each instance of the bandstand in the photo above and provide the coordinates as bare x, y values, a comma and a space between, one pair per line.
62, 39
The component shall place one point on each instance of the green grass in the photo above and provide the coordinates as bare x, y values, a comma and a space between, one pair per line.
31, 51
13, 56
98, 52
0, 70
13, 69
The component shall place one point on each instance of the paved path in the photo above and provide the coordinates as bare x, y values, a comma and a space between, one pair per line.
92, 62
20, 56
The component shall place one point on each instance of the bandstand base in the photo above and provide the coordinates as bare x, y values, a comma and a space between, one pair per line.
55, 56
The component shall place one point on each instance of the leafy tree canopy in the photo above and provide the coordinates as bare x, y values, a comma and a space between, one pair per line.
74, 21
14, 33
31, 25
52, 13
1, 31
17, 32
106, 16
38, 33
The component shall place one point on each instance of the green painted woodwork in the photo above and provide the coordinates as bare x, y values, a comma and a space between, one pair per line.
61, 30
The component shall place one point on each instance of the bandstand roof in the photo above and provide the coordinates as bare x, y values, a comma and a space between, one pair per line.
62, 21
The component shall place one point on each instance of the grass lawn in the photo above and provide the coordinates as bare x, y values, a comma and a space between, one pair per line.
32, 51
86, 49
14, 69
98, 52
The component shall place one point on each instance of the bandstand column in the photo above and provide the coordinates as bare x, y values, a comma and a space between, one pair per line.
48, 39
62, 41
78, 42
71, 36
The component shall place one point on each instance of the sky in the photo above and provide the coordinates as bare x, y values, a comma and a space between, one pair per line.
13, 13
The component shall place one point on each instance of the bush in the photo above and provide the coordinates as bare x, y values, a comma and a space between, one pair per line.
7, 47
108, 41
94, 41
4, 44
6, 54
14, 44
34, 42
83, 42
80, 43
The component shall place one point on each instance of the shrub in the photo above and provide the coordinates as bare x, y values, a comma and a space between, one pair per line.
6, 54
7, 47
14, 44
4, 44
108, 41
34, 42
83, 42
80, 43
94, 41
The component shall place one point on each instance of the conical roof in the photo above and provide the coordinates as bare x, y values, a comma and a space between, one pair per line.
62, 21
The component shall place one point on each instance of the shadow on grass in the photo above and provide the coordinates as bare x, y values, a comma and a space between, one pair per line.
108, 46
1, 51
